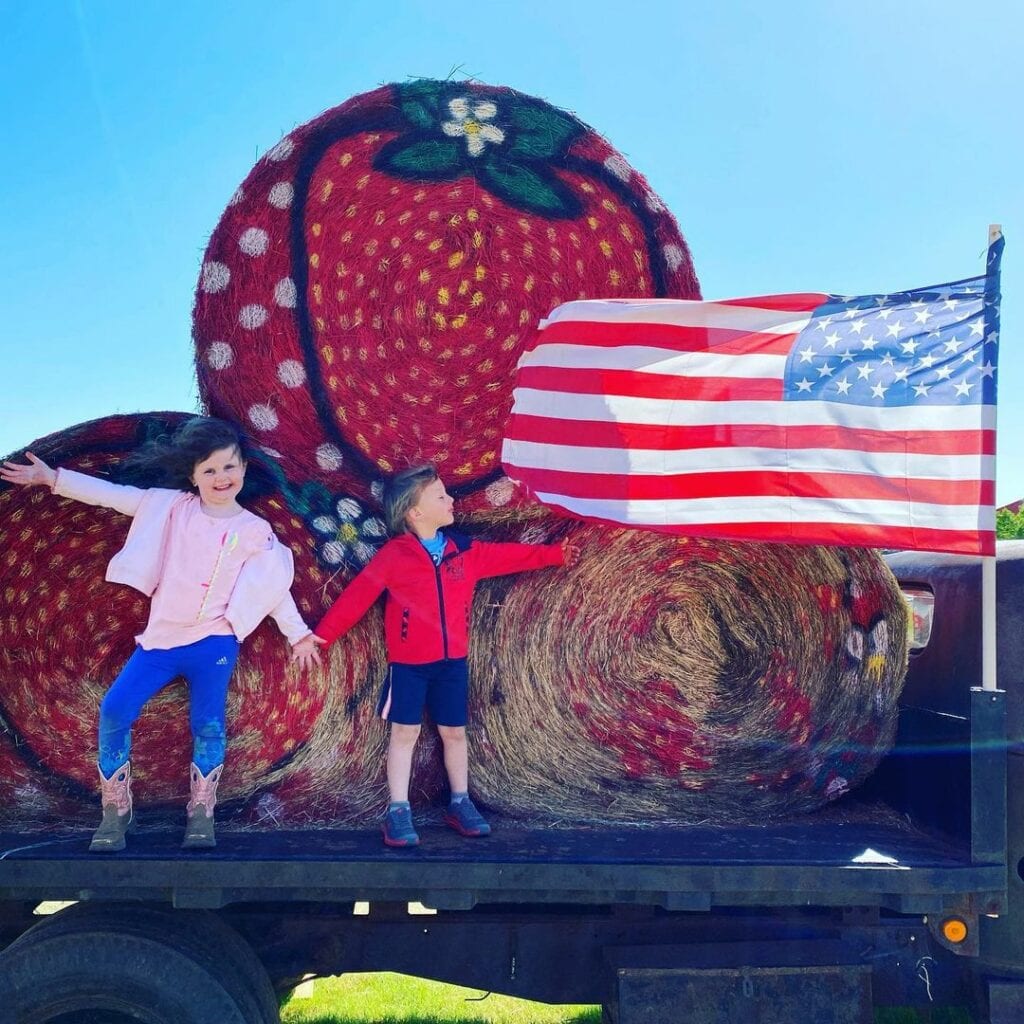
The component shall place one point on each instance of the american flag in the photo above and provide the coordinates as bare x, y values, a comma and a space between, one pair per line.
814, 419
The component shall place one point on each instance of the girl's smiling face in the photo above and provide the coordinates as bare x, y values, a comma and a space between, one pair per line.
219, 478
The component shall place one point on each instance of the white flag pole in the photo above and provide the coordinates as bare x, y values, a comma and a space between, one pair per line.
988, 574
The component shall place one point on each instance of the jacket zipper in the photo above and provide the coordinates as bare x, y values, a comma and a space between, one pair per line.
440, 601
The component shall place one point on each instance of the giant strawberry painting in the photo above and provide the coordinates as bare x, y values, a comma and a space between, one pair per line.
361, 307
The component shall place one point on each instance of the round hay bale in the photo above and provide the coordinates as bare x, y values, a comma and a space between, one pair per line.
681, 679
369, 288
301, 749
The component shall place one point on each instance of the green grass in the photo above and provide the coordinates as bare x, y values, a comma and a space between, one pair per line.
396, 999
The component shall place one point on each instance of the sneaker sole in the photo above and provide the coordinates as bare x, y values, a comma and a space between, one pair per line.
105, 846
454, 823
388, 841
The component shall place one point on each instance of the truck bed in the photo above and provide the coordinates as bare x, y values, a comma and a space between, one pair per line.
878, 860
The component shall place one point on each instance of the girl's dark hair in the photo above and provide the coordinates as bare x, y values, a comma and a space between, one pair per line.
402, 491
168, 460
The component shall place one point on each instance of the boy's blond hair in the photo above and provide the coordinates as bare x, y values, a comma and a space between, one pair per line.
402, 492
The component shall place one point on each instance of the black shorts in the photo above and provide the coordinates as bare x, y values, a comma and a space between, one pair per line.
443, 686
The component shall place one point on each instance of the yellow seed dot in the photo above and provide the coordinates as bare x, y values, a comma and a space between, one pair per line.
478, 239
439, 321
593, 223
614, 277
316, 229
455, 220
443, 296
459, 321
605, 247
345, 159
472, 215
480, 273
609, 206
318, 294
314, 260
528, 283
455, 259
477, 300
421, 308
586, 186
325, 190
435, 245
320, 324
362, 182
424, 276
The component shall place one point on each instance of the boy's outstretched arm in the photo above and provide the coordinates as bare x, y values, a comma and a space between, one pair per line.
502, 559
353, 604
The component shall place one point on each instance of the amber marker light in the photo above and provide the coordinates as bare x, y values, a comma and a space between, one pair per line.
954, 930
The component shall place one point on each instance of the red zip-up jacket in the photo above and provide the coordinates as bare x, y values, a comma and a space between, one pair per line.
428, 607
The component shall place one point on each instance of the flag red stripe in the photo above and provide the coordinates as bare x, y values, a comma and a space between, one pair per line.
798, 302
675, 337
601, 434
754, 483
636, 384
964, 542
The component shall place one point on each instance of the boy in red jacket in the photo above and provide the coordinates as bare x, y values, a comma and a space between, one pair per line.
429, 575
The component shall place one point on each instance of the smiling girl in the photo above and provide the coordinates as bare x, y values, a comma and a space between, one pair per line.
213, 572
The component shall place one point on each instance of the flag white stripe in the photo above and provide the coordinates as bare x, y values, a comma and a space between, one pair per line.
681, 313
671, 412
658, 462
651, 359
707, 511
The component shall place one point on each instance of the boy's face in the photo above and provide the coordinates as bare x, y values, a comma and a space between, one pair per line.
434, 509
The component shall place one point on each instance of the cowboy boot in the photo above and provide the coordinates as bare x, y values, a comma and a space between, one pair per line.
199, 828
116, 798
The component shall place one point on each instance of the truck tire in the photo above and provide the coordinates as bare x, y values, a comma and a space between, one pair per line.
194, 945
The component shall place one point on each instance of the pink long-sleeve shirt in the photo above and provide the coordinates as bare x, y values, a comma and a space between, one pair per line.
207, 576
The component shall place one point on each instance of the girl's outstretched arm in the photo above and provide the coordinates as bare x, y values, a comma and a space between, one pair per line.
68, 483
36, 474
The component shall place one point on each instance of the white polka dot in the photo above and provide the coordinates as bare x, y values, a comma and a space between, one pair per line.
333, 552
328, 457
252, 316
284, 293
220, 355
291, 373
237, 197
500, 492
325, 524
348, 508
618, 167
215, 277
673, 256
254, 241
282, 150
377, 490
262, 417
654, 203
281, 195
272, 452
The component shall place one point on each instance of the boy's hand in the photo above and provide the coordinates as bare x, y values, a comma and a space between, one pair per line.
306, 652
570, 553
36, 473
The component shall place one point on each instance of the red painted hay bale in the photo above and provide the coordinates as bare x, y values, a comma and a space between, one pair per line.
300, 749
673, 678
367, 293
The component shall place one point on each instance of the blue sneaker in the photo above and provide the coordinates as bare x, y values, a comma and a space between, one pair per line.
398, 830
466, 819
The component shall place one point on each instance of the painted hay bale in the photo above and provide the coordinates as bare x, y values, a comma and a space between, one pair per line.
366, 295
301, 750
682, 679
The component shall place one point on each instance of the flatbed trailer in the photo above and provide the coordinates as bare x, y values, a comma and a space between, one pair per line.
908, 893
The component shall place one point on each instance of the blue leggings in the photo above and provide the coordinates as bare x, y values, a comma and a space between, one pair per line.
206, 665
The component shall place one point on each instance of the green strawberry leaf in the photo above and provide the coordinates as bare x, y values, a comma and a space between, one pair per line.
420, 103
528, 188
540, 132
413, 156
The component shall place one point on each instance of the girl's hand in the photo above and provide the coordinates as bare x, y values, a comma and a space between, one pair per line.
306, 652
570, 553
36, 473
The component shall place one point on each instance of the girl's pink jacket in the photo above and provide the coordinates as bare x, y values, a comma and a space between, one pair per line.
263, 587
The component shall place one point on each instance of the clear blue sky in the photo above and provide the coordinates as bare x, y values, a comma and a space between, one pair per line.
802, 145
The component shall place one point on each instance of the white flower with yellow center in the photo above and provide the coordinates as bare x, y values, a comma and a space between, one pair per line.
470, 122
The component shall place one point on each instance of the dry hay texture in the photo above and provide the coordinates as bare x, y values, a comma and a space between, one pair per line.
367, 293
681, 678
301, 750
